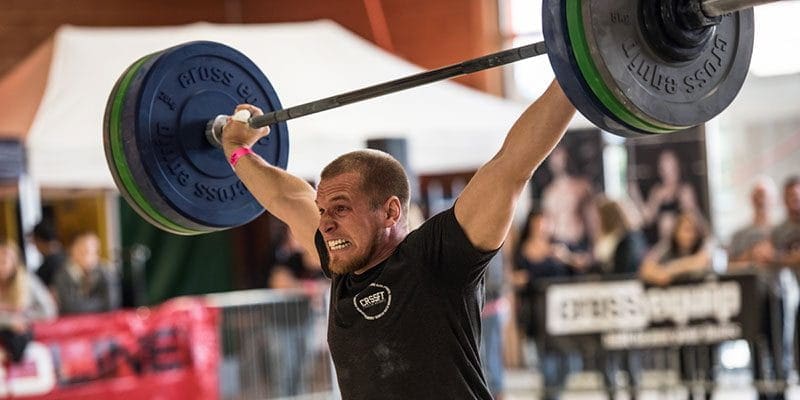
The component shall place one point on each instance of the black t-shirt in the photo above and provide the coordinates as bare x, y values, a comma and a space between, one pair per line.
51, 264
409, 328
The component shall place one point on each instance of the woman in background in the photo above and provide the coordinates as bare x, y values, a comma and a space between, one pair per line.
684, 256
619, 250
620, 246
536, 256
23, 299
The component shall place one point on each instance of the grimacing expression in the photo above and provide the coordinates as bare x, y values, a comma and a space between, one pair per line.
351, 227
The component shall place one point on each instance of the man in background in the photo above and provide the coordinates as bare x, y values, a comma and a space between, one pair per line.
46, 241
85, 284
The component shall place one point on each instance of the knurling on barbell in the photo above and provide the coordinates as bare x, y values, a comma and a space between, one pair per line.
628, 70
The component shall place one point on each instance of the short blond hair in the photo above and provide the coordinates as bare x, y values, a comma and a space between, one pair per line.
382, 176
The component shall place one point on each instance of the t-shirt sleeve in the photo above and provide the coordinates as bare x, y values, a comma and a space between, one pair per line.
322, 250
445, 249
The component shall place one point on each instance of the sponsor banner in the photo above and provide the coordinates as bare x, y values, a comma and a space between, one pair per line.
168, 352
626, 313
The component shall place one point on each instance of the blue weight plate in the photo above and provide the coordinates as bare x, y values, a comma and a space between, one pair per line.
117, 163
141, 187
569, 76
183, 88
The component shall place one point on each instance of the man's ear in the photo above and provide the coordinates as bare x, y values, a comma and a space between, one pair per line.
394, 211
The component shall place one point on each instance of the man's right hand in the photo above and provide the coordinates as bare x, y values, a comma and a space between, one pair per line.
238, 134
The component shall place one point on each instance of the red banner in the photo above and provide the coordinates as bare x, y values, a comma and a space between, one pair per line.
169, 352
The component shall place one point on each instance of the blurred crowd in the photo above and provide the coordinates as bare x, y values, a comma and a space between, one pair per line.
662, 238
69, 281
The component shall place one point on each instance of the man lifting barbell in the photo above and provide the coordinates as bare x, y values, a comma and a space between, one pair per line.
405, 306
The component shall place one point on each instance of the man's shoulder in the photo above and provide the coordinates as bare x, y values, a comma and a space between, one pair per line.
62, 276
443, 220
787, 227
751, 231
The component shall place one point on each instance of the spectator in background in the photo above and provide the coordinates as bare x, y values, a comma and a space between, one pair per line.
536, 257
46, 242
751, 245
567, 200
666, 199
288, 342
684, 256
85, 284
23, 299
786, 238
292, 261
751, 249
619, 249
620, 246
786, 235
493, 315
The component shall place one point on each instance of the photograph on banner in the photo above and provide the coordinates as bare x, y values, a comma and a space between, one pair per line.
666, 176
565, 185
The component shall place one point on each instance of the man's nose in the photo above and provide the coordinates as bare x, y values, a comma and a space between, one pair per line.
326, 224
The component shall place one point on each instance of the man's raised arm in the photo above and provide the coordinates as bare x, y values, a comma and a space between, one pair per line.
287, 197
485, 208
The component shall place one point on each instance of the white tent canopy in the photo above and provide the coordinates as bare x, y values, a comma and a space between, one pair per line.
449, 127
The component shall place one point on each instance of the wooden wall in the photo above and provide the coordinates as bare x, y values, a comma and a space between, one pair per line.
429, 33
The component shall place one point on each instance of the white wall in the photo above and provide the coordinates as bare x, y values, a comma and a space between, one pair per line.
759, 134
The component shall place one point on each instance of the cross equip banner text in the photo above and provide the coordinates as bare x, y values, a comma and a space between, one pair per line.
626, 313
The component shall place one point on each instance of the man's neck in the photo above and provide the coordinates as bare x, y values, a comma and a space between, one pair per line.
761, 218
54, 248
395, 237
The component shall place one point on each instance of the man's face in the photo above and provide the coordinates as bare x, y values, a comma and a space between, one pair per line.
85, 252
791, 197
352, 230
760, 197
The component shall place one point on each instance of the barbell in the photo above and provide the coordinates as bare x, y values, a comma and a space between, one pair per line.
631, 67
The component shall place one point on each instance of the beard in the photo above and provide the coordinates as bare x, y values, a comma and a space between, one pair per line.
340, 267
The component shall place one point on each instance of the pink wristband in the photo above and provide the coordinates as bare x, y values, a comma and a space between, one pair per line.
239, 153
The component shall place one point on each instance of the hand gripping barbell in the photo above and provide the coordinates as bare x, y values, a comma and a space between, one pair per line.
632, 67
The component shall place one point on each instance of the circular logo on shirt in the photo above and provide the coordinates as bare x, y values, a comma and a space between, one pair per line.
374, 301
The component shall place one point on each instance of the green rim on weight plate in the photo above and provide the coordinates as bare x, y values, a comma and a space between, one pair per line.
118, 154
592, 77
